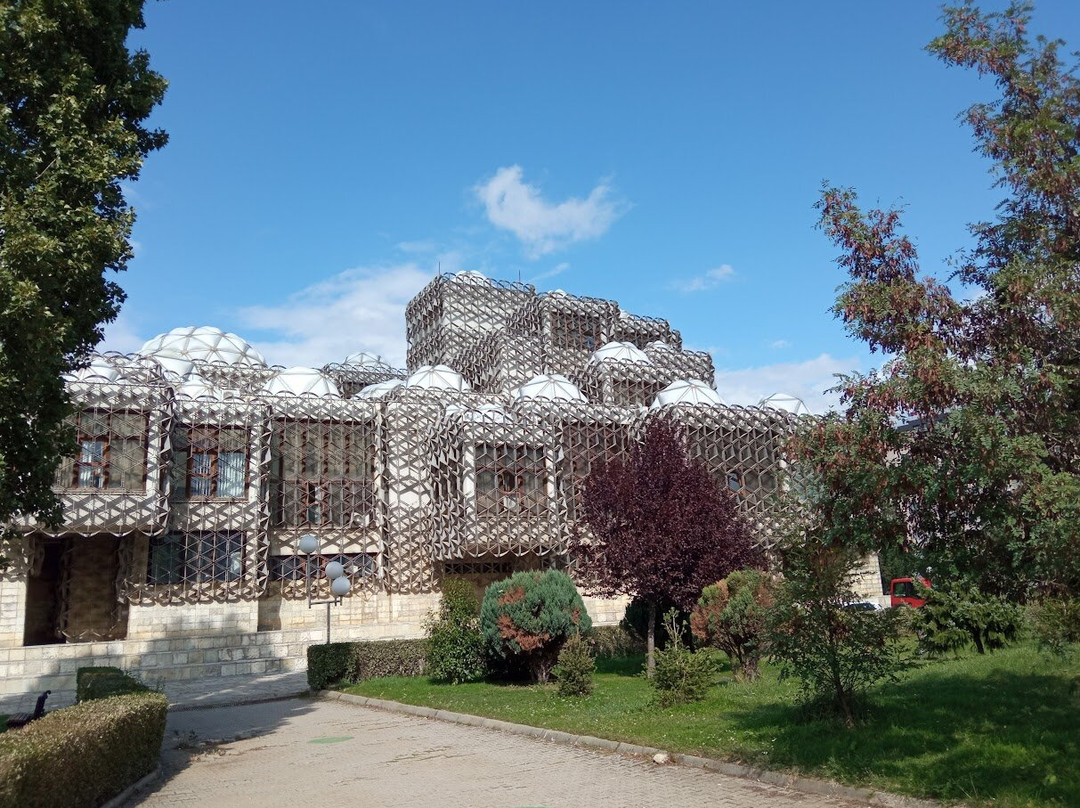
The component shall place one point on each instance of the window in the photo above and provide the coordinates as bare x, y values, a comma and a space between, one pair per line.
110, 454
324, 474
510, 479
209, 462
291, 567
634, 392
572, 330
196, 557
588, 447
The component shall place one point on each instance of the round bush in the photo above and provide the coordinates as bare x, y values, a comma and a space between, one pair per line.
732, 615
529, 616
574, 672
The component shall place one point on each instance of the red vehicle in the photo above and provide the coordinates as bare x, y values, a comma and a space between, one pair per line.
902, 592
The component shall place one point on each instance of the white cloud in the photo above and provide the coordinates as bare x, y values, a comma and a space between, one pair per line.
422, 246
542, 226
121, 336
558, 269
778, 344
707, 280
808, 380
360, 309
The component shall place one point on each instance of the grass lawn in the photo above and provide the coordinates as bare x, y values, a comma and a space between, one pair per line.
1003, 729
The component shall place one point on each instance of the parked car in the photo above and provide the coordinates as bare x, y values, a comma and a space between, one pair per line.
862, 606
902, 592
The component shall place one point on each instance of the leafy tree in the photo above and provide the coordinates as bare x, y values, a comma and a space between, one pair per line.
834, 651
71, 130
732, 615
530, 615
987, 486
662, 527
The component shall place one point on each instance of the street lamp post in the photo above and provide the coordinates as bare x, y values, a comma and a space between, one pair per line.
335, 573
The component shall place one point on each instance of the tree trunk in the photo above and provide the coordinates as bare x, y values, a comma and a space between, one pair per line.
976, 635
650, 642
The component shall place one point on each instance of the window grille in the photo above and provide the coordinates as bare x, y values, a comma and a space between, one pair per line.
110, 452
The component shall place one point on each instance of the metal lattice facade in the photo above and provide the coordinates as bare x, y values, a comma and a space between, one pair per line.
202, 466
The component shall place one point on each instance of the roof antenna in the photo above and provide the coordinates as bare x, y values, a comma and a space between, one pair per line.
438, 264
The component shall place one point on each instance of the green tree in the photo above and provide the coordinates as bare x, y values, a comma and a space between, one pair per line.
987, 484
732, 615
71, 130
837, 653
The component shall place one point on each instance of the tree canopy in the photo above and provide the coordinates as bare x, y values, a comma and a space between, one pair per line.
662, 528
965, 444
71, 131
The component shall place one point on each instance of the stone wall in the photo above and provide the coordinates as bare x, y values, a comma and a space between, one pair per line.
220, 639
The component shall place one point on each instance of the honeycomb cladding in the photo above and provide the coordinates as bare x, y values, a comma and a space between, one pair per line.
203, 465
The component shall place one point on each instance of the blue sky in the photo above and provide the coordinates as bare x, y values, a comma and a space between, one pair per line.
325, 162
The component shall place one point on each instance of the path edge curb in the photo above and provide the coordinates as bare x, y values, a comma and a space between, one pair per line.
144, 781
795, 782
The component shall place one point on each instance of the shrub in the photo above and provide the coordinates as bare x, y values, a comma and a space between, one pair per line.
615, 641
455, 645
1056, 622
681, 675
836, 653
574, 672
732, 615
327, 664
102, 682
954, 617
529, 616
455, 652
82, 755
370, 660
356, 661
459, 600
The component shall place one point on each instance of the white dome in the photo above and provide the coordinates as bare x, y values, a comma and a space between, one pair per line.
658, 345
379, 389
785, 402
195, 386
437, 377
472, 275
300, 381
363, 359
686, 391
100, 369
619, 352
484, 413
553, 386
174, 365
205, 344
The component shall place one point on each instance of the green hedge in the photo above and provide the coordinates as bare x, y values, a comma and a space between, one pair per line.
356, 661
102, 682
83, 755
609, 642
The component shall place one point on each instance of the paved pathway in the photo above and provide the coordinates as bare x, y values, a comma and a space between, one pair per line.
302, 752
197, 693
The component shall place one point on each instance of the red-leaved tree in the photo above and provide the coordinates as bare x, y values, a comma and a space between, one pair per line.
662, 527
